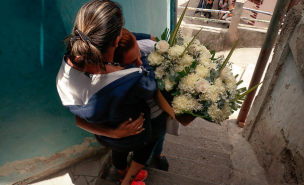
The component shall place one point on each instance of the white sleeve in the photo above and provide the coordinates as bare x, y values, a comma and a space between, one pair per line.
146, 45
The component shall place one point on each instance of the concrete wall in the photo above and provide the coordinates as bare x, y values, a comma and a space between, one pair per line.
274, 126
38, 136
151, 16
219, 38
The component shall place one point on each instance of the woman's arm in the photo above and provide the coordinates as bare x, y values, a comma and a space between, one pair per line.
141, 36
127, 128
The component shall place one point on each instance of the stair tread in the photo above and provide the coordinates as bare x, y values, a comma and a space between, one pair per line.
199, 141
158, 177
197, 170
202, 155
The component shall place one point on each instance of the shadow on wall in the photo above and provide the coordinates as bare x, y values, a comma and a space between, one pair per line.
33, 122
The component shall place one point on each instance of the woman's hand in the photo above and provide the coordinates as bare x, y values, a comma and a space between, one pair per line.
153, 38
129, 128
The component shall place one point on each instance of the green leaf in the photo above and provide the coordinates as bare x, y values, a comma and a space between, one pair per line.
173, 77
221, 104
165, 34
239, 102
193, 65
214, 73
172, 38
228, 57
239, 82
236, 76
175, 93
243, 89
157, 39
160, 84
182, 73
212, 54
247, 92
191, 42
208, 46
196, 114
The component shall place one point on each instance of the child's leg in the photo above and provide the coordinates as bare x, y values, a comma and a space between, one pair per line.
119, 160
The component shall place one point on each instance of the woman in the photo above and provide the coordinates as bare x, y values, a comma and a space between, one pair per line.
224, 4
103, 94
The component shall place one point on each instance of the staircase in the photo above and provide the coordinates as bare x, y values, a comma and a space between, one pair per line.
204, 154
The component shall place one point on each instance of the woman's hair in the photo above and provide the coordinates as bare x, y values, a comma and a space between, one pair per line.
97, 25
126, 43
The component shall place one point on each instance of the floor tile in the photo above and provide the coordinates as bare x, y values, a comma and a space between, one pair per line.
89, 179
45, 182
62, 180
81, 181
90, 168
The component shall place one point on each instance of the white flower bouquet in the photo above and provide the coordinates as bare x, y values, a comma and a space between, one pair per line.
192, 80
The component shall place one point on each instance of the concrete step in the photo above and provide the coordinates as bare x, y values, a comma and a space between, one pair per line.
200, 141
158, 177
185, 167
202, 155
219, 134
155, 177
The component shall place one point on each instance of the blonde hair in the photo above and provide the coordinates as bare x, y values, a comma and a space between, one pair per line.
101, 21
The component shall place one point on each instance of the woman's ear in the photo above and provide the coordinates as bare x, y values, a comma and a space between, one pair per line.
118, 39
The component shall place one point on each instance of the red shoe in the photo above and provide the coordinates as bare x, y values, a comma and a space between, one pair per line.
138, 183
141, 176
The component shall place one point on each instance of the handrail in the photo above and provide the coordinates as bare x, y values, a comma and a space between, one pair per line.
258, 11
256, 20
205, 10
207, 19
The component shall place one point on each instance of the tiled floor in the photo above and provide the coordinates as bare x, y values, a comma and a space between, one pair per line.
85, 173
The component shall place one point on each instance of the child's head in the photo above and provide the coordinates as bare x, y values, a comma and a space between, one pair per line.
127, 51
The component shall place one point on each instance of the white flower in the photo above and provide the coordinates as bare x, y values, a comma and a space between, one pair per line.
162, 46
206, 53
155, 58
187, 41
175, 51
183, 103
211, 94
196, 42
204, 60
179, 68
202, 71
194, 49
214, 112
187, 83
231, 83
168, 84
213, 66
202, 86
226, 73
226, 111
220, 86
186, 60
159, 72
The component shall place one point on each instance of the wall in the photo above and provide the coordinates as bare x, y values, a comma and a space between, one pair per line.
151, 16
38, 135
219, 38
274, 126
